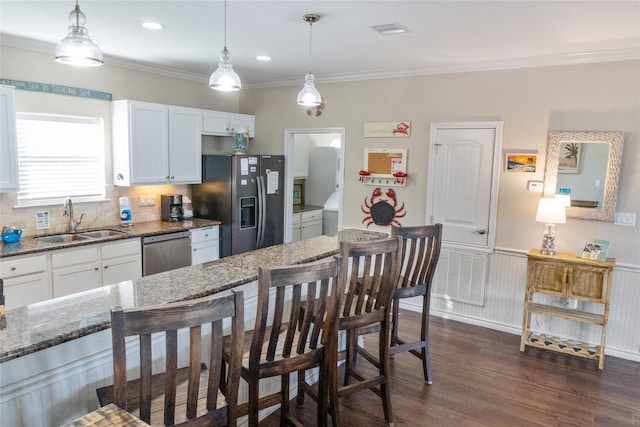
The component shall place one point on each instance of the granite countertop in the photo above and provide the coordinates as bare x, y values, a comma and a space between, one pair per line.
35, 327
31, 245
307, 208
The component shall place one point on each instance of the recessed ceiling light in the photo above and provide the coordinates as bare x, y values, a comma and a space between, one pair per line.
263, 58
152, 25
388, 29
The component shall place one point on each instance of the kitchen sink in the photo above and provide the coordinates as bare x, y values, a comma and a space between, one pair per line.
62, 238
80, 236
99, 234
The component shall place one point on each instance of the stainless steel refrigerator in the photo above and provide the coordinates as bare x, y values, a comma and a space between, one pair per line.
245, 193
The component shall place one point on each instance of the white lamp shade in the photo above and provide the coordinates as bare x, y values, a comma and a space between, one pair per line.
309, 95
77, 48
551, 211
225, 79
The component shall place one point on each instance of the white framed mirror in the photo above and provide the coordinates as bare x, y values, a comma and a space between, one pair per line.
585, 165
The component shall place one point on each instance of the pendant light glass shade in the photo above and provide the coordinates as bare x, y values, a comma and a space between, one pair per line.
77, 48
309, 95
225, 79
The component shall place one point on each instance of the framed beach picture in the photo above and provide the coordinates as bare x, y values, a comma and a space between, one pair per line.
521, 162
569, 157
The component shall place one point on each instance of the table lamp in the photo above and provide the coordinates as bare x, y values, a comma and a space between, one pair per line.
551, 211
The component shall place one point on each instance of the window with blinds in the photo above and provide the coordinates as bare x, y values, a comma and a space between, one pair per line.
59, 156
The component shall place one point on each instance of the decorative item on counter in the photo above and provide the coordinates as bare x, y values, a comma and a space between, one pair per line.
187, 208
379, 211
11, 234
126, 219
362, 174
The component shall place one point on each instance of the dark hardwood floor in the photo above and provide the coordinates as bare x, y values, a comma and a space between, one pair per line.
482, 379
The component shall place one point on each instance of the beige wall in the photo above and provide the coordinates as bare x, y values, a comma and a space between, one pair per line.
530, 102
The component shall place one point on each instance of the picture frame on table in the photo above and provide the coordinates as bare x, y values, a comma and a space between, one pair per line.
595, 250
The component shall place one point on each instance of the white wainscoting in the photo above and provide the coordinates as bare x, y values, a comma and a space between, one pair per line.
504, 299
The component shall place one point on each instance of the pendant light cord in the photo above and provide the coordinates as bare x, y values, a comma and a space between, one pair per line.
225, 24
310, 37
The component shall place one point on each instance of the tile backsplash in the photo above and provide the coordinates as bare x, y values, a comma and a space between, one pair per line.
96, 214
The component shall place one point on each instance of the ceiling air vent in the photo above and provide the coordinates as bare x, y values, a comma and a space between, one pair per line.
388, 29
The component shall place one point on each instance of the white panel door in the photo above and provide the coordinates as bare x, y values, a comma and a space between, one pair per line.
463, 187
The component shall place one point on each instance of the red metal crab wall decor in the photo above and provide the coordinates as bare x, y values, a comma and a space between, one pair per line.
380, 211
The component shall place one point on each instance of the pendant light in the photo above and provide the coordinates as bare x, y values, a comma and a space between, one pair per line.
309, 95
77, 48
224, 78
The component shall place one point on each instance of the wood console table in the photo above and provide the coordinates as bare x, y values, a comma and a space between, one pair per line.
567, 276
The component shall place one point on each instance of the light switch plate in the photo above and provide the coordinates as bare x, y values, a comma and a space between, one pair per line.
147, 200
626, 219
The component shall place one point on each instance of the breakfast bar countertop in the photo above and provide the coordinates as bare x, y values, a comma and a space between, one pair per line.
35, 327
31, 244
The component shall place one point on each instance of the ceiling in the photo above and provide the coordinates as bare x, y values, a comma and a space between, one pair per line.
442, 37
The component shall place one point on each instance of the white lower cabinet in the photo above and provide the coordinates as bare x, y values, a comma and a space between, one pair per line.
306, 225
121, 261
205, 244
75, 270
26, 280
89, 267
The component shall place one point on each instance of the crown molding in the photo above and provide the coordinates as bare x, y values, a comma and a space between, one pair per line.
505, 64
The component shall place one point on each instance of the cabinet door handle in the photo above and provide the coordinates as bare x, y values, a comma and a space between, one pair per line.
13, 268
106, 266
96, 268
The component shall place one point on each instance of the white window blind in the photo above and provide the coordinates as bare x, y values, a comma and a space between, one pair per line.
59, 156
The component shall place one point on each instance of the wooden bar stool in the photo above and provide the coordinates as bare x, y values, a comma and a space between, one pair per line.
194, 395
420, 253
291, 331
370, 274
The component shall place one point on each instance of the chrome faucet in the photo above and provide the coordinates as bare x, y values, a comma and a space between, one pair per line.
68, 211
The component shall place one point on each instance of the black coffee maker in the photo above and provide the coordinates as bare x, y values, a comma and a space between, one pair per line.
171, 207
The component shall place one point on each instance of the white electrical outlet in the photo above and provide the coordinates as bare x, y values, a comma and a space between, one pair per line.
626, 219
147, 200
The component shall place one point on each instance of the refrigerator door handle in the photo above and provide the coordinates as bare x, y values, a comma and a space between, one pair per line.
260, 214
263, 211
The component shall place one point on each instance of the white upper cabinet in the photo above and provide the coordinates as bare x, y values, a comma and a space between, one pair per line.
8, 153
301, 156
155, 144
241, 122
215, 123
221, 123
185, 145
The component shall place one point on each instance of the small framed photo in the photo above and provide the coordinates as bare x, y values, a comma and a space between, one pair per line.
569, 157
596, 250
521, 162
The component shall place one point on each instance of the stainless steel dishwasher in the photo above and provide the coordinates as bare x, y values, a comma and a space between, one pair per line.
165, 252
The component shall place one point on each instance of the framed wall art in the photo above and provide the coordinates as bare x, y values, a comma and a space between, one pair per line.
521, 162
